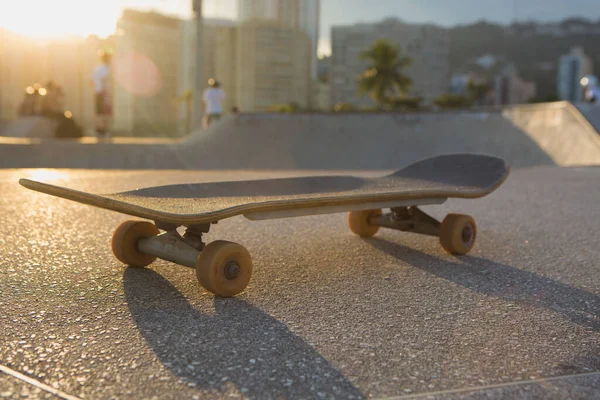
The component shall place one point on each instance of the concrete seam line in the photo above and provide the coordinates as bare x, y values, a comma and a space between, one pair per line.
488, 387
37, 384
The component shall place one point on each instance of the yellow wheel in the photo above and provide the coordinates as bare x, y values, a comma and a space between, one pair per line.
458, 233
359, 222
224, 268
124, 242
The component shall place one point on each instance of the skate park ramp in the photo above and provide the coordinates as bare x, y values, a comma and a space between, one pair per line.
30, 126
526, 136
591, 112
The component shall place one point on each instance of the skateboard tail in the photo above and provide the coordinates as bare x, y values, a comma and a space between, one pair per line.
86, 198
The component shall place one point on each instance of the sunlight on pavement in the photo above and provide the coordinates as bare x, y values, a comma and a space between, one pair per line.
43, 175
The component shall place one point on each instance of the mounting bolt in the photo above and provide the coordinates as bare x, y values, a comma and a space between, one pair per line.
232, 270
468, 233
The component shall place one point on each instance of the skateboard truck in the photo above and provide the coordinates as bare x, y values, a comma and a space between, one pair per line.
222, 267
408, 219
171, 246
457, 232
225, 268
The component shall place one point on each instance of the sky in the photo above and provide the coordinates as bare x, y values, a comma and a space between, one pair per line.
55, 17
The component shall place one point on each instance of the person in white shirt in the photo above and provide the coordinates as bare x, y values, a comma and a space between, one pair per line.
101, 80
213, 97
592, 94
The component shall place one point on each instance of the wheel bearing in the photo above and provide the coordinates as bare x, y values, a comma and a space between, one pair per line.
232, 270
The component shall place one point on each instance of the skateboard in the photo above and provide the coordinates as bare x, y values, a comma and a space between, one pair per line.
225, 268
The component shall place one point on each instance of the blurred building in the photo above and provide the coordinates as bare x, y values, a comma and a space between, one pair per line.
188, 62
321, 96
68, 62
258, 9
506, 86
569, 26
510, 88
298, 14
226, 63
261, 63
21, 65
323, 67
427, 45
147, 73
155, 68
572, 68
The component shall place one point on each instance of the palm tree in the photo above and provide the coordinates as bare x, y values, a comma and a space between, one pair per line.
383, 77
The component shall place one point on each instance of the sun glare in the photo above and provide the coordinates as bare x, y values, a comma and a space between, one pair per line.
43, 175
57, 18
48, 19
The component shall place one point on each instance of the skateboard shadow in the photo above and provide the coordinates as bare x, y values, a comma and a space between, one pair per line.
237, 344
504, 282
263, 188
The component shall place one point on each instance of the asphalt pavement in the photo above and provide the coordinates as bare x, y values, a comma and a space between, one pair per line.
326, 314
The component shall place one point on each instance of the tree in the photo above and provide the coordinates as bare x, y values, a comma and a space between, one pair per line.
383, 77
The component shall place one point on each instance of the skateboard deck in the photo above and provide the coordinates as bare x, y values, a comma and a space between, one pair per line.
225, 268
430, 181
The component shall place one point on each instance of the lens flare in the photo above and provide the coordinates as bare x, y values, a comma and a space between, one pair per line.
138, 74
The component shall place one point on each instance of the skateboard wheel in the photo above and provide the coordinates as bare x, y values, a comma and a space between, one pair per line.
224, 268
358, 221
458, 233
124, 242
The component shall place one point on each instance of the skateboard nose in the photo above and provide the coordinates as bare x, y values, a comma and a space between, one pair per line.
232, 270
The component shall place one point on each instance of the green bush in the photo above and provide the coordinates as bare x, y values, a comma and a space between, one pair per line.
285, 108
406, 103
345, 107
453, 101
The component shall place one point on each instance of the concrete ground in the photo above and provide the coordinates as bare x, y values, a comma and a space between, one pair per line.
326, 315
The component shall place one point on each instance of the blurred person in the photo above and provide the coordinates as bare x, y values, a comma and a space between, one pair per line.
48, 102
591, 89
101, 80
52, 104
212, 97
29, 104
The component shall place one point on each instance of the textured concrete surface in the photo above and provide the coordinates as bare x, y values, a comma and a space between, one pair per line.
326, 315
591, 112
560, 130
588, 387
11, 388
533, 135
